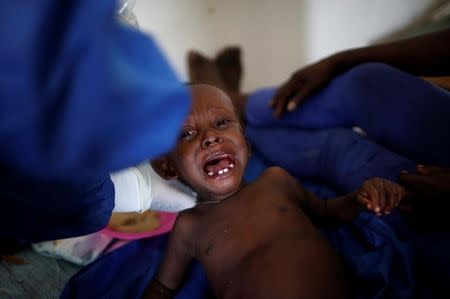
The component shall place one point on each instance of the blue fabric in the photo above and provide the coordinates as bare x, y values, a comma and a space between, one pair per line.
126, 272
386, 256
35, 210
81, 95
339, 157
397, 110
381, 263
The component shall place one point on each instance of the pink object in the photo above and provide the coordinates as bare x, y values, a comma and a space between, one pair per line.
166, 223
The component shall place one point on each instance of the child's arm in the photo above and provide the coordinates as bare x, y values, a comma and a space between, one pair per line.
377, 195
178, 256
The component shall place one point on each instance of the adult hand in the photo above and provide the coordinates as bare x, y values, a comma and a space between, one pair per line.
431, 183
428, 197
302, 84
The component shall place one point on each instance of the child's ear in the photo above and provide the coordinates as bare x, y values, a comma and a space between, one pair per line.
164, 169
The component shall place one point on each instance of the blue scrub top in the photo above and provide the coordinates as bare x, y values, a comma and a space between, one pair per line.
81, 95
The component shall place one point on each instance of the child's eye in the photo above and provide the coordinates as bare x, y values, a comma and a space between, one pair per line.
188, 134
222, 123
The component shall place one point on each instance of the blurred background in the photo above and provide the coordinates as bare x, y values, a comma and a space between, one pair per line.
279, 36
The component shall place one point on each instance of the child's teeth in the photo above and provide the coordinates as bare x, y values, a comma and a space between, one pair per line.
222, 171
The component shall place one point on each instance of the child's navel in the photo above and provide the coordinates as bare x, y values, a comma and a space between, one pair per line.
282, 209
209, 250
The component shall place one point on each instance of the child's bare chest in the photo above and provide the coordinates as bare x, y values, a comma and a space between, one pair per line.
255, 221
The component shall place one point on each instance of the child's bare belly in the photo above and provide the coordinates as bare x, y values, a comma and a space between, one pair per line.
287, 269
290, 264
263, 246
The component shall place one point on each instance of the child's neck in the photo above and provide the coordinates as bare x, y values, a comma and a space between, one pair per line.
201, 199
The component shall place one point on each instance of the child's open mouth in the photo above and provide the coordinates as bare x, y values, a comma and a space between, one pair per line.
219, 165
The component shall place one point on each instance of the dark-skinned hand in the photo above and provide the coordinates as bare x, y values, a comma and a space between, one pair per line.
380, 196
428, 189
302, 84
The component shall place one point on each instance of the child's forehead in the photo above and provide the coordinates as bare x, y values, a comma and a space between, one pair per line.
208, 97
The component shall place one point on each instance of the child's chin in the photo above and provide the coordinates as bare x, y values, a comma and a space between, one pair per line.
227, 191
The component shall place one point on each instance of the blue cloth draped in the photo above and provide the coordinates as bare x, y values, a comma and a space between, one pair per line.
388, 258
81, 95
398, 111
381, 263
125, 273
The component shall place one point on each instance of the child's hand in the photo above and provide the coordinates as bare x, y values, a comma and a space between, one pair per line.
380, 195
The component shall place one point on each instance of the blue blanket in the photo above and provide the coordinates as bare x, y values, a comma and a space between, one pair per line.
125, 273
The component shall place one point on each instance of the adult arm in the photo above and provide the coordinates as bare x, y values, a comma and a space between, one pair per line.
428, 194
81, 93
425, 55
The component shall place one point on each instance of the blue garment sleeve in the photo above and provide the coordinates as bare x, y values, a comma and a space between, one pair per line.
81, 93
37, 210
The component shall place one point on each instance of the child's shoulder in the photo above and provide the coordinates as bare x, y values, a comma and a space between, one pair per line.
280, 180
186, 222
276, 172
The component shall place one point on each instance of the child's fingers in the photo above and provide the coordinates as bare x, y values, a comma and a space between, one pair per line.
392, 195
366, 203
399, 194
379, 198
382, 196
372, 196
363, 200
396, 194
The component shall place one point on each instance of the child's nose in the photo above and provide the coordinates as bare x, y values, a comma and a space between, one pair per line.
211, 140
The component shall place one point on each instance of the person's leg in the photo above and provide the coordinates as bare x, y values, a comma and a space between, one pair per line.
397, 110
336, 157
